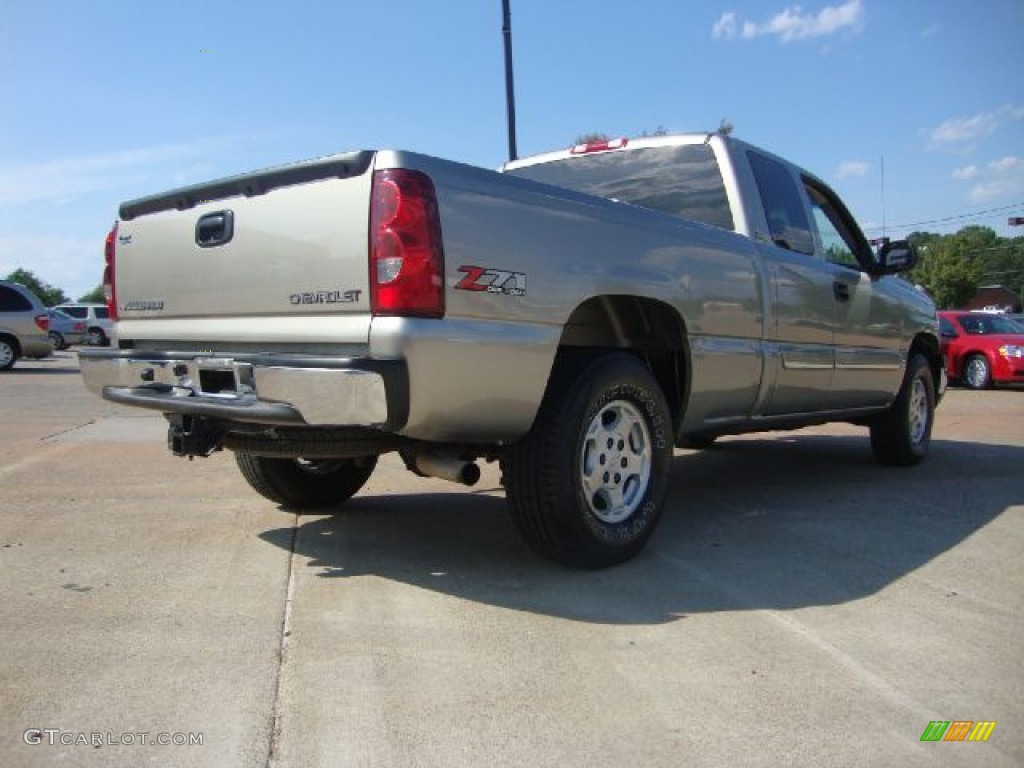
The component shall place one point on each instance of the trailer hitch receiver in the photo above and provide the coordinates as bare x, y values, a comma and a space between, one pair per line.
192, 436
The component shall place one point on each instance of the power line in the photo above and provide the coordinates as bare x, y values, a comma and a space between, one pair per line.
961, 217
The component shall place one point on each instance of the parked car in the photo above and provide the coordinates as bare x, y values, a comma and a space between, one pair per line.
66, 330
981, 349
98, 324
23, 325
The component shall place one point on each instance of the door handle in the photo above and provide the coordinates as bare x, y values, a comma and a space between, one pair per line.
841, 291
215, 228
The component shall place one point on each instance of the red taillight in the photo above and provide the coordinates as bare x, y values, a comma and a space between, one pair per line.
406, 256
598, 146
109, 289
43, 322
79, 327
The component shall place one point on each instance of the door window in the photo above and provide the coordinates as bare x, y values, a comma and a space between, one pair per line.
783, 208
841, 239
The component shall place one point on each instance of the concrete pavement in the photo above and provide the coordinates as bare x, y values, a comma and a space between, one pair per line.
799, 606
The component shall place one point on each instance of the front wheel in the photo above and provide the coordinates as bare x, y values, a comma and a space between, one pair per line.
305, 483
8, 355
901, 436
977, 374
586, 485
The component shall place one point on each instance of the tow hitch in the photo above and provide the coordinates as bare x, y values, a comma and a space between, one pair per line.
191, 436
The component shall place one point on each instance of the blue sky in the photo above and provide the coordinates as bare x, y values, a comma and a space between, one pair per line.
105, 100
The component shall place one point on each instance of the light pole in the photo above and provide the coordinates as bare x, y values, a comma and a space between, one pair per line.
510, 89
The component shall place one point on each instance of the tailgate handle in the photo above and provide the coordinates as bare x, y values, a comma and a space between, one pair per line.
215, 228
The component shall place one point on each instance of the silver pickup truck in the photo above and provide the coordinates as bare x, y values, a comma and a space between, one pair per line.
573, 316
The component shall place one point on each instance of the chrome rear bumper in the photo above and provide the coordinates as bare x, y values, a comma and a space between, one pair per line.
254, 388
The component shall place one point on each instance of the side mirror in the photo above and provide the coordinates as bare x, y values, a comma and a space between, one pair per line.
895, 257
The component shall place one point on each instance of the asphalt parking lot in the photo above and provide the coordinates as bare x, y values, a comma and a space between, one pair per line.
799, 606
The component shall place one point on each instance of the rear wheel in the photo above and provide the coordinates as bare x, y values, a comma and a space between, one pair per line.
586, 485
977, 374
97, 337
901, 436
57, 341
305, 483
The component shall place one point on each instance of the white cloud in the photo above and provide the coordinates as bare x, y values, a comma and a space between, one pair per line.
966, 173
792, 23
725, 27
852, 168
965, 130
1001, 181
960, 129
63, 180
1005, 165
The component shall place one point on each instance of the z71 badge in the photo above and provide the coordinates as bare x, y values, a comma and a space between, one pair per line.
492, 281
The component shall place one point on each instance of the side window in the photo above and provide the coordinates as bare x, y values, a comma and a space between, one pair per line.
102, 313
79, 313
973, 324
841, 240
783, 208
12, 301
947, 329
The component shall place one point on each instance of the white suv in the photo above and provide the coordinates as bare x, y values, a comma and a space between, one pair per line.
97, 321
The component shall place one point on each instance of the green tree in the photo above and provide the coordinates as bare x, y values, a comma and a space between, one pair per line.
1003, 264
95, 296
953, 267
949, 275
47, 293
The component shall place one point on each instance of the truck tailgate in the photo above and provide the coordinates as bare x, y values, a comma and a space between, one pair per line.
238, 259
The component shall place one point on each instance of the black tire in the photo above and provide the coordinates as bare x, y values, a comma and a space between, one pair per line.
8, 354
305, 484
57, 340
98, 338
564, 505
901, 436
977, 373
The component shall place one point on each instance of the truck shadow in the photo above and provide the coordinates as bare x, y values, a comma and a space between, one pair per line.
752, 524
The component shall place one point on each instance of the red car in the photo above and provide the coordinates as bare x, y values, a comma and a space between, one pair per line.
981, 349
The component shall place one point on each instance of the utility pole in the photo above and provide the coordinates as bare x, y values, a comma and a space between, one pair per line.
510, 89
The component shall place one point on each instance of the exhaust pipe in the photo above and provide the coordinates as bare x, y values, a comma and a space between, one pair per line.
447, 468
